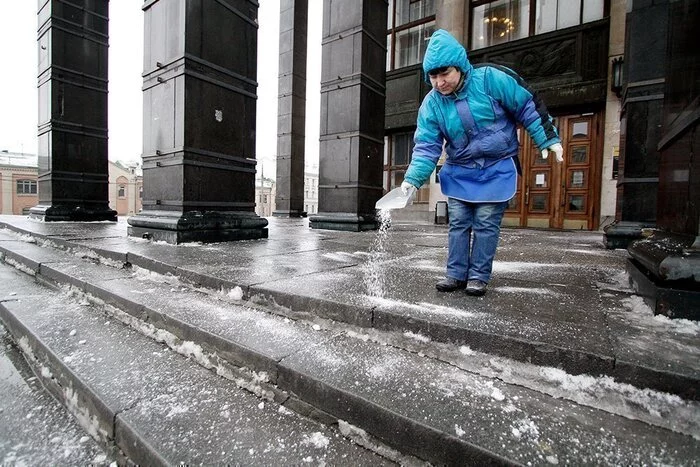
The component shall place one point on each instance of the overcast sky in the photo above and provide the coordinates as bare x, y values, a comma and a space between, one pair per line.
18, 81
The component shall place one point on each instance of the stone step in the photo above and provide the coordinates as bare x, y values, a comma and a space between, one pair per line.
46, 434
609, 346
149, 405
439, 410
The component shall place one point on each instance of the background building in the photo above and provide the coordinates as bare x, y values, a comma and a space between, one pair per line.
125, 188
565, 50
311, 192
18, 180
264, 196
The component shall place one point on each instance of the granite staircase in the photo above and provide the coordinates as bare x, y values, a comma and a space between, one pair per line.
163, 367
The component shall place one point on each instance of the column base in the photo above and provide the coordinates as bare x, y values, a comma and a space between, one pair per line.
197, 226
47, 213
664, 270
619, 235
343, 221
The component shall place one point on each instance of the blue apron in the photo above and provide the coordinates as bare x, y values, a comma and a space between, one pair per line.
480, 179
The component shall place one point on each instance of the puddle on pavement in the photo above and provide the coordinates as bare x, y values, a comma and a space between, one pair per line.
373, 275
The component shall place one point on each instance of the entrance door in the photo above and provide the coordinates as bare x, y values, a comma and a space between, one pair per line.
560, 195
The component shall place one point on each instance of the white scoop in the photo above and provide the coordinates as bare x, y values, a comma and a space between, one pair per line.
395, 199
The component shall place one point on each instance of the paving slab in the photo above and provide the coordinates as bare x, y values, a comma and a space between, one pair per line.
404, 298
66, 230
459, 417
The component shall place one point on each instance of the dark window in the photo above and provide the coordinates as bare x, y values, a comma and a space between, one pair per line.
122, 191
397, 157
26, 187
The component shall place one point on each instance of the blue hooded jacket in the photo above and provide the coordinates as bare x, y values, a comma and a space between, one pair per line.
477, 124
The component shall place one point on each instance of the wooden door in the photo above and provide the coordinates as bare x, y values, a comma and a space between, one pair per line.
560, 195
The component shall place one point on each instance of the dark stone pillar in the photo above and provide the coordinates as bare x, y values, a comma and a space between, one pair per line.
200, 65
291, 117
642, 117
73, 171
352, 114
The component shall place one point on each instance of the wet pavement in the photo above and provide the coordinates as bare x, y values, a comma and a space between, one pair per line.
557, 299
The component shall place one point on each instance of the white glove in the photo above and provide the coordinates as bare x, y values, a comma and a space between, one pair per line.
558, 151
406, 187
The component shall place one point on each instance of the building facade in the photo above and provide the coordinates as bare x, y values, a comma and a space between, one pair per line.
565, 50
18, 180
19, 187
125, 188
265, 193
311, 192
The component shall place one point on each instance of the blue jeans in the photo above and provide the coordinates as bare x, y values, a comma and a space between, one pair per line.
473, 238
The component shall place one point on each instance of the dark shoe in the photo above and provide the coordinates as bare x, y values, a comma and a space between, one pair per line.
476, 287
449, 284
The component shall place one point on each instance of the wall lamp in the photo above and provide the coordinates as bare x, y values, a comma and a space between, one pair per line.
616, 78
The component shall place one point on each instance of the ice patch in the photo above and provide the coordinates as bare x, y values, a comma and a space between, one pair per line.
176, 410
531, 290
638, 306
236, 293
417, 337
518, 266
424, 307
317, 440
497, 395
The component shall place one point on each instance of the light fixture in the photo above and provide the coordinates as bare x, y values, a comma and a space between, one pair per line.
616, 76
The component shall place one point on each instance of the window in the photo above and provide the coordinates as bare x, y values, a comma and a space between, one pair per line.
399, 147
410, 25
26, 187
496, 22
122, 191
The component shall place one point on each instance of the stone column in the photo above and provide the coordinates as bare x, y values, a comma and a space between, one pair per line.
72, 137
291, 116
200, 69
641, 122
352, 114
453, 16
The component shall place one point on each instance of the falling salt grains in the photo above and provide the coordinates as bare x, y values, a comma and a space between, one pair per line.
459, 431
373, 277
73, 332
261, 405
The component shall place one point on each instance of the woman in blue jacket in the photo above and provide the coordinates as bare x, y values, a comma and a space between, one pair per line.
472, 112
